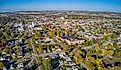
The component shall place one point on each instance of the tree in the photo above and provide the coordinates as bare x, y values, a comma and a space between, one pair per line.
103, 52
94, 41
77, 57
115, 45
98, 62
117, 53
39, 49
109, 46
109, 37
45, 64
110, 52
63, 67
52, 34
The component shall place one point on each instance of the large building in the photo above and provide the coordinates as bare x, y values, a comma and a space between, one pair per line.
72, 40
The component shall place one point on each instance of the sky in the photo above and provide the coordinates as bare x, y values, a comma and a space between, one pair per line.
38, 5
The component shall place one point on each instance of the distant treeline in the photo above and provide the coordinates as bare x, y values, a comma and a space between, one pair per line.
91, 17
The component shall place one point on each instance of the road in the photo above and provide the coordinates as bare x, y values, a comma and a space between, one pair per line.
35, 52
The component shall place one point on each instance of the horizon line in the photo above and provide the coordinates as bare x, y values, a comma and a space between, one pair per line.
62, 10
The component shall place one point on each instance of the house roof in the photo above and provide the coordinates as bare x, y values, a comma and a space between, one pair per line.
105, 61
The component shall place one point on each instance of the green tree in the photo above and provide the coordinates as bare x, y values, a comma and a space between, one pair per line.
109, 46
115, 45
